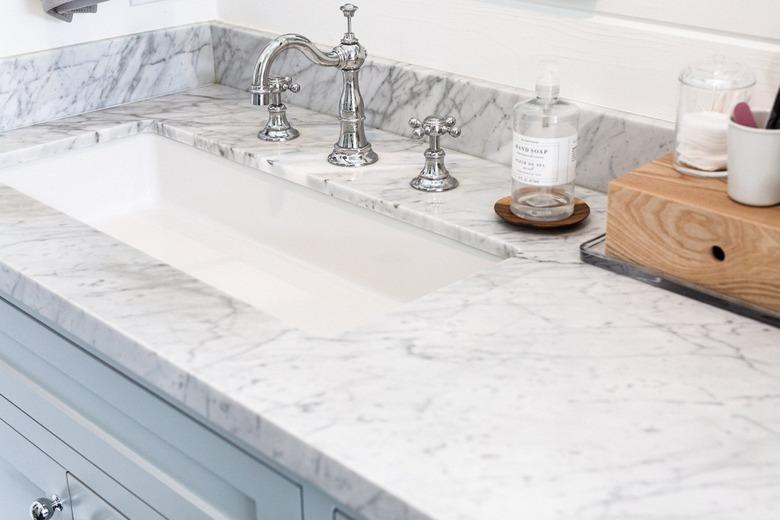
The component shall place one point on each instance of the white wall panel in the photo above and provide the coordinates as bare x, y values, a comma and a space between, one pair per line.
760, 20
624, 54
25, 28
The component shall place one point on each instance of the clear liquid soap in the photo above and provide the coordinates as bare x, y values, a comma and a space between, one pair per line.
544, 154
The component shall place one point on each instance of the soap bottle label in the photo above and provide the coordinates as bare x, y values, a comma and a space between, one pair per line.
544, 161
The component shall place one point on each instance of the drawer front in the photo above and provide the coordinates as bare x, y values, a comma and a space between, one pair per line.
27, 473
67, 460
171, 462
87, 505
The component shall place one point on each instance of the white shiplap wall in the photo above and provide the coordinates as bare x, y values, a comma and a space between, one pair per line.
727, 16
623, 54
25, 28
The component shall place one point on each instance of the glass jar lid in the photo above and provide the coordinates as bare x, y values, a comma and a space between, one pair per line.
717, 73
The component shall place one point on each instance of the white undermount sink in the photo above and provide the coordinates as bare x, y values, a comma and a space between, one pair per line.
314, 262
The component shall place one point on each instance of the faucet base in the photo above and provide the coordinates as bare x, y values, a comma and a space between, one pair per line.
278, 128
434, 176
352, 157
277, 135
434, 185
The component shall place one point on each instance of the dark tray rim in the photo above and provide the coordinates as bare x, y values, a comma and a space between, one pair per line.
590, 255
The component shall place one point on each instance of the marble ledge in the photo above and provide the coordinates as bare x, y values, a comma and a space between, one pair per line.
71, 80
216, 120
541, 388
610, 143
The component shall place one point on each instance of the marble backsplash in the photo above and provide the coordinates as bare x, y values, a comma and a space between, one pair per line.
610, 143
72, 80
62, 82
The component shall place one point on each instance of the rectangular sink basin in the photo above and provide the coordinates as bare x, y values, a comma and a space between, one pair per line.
312, 261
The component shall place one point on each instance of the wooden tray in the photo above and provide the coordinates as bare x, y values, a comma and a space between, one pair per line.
581, 212
689, 229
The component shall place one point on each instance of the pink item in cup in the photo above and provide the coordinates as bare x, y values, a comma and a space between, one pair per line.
744, 116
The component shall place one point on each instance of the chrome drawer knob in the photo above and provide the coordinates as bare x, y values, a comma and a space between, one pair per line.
45, 508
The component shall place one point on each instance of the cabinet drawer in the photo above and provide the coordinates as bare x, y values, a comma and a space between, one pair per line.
27, 473
174, 464
87, 505
69, 467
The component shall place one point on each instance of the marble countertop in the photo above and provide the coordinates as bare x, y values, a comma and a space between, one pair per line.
540, 389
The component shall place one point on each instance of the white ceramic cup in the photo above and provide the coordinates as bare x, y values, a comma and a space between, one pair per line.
754, 163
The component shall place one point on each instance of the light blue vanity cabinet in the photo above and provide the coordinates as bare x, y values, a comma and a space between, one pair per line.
27, 473
71, 425
36, 464
87, 505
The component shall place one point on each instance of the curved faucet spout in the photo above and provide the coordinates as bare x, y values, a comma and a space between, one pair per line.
261, 94
352, 147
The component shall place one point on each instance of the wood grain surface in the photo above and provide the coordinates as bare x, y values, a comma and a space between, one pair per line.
581, 212
689, 228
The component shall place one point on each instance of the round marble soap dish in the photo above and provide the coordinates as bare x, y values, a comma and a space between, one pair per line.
581, 212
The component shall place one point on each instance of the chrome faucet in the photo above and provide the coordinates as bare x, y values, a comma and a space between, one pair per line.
352, 147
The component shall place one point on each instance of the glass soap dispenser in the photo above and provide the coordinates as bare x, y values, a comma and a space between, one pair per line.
544, 153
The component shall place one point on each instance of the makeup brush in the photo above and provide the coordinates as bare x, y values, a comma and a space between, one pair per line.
773, 123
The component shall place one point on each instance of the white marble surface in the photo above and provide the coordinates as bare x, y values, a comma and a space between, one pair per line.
71, 80
540, 389
610, 143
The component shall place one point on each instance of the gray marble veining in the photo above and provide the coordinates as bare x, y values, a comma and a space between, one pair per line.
71, 80
542, 388
610, 144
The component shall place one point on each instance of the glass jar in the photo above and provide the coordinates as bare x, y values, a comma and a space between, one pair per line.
709, 90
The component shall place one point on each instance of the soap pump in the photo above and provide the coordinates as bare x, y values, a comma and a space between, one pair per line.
544, 153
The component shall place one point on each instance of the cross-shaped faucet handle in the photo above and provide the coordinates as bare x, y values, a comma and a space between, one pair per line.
434, 126
434, 176
282, 84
